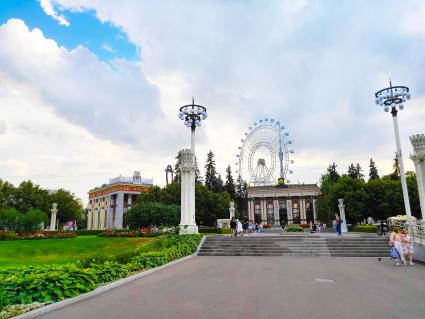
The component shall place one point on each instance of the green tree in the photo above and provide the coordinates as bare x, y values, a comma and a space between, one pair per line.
32, 220
6, 194
396, 169
229, 185
211, 181
177, 171
29, 195
147, 214
373, 171
69, 207
198, 176
219, 186
332, 173
9, 218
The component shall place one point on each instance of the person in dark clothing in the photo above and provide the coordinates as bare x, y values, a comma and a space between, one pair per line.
233, 226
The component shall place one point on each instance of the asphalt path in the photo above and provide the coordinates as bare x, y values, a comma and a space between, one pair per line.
264, 287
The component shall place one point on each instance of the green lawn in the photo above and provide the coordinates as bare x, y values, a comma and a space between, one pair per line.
61, 251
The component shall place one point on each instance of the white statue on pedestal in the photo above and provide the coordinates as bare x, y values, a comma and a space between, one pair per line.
187, 169
54, 211
341, 207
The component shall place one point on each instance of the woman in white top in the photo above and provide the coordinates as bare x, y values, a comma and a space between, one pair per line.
239, 228
395, 241
407, 243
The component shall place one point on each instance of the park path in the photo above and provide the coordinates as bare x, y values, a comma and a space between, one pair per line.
264, 287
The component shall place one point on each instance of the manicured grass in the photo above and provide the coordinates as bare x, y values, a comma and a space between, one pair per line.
61, 251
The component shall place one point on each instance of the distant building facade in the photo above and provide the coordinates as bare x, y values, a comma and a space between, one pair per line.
274, 205
109, 203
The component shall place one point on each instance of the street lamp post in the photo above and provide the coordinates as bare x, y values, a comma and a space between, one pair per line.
192, 115
393, 98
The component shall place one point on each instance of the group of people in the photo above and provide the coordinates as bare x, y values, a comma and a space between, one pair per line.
401, 246
239, 228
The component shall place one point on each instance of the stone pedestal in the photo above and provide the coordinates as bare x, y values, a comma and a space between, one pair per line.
341, 207
232, 210
187, 168
54, 212
418, 157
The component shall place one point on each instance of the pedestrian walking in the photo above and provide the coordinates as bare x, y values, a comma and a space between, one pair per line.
396, 247
338, 222
239, 228
407, 243
245, 225
233, 226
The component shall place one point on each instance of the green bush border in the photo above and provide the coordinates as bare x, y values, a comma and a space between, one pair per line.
365, 229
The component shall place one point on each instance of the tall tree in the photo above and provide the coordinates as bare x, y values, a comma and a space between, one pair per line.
396, 169
219, 185
352, 172
198, 177
333, 174
210, 172
359, 171
373, 171
229, 186
177, 171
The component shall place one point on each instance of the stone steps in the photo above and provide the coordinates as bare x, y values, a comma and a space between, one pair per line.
295, 245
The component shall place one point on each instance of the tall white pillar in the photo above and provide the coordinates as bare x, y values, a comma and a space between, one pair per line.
341, 207
129, 200
89, 218
289, 210
102, 219
276, 212
400, 161
263, 211
303, 211
251, 209
314, 210
119, 210
187, 168
109, 213
54, 211
418, 157
232, 210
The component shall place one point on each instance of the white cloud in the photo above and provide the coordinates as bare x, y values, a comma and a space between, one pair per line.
3, 127
48, 9
107, 47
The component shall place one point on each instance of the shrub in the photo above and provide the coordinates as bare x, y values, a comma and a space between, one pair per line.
294, 228
206, 230
146, 214
226, 230
365, 228
87, 232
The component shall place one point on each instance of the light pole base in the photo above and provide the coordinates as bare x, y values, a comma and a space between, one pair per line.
188, 229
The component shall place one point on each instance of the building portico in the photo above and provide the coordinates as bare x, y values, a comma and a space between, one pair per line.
274, 205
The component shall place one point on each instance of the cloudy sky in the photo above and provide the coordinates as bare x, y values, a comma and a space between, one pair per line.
90, 89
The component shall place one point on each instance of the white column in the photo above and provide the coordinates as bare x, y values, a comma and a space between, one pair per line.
302, 211
402, 174
263, 211
119, 210
251, 209
95, 219
341, 207
276, 212
232, 210
89, 218
102, 219
314, 210
109, 213
289, 210
54, 211
419, 167
187, 221
129, 200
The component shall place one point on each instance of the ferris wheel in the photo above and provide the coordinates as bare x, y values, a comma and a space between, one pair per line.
263, 157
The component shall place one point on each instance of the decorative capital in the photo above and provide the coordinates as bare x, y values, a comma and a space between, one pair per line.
341, 202
418, 143
187, 159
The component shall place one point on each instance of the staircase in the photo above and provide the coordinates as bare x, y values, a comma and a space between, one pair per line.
296, 245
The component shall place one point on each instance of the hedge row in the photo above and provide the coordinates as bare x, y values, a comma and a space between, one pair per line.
216, 230
365, 228
27, 284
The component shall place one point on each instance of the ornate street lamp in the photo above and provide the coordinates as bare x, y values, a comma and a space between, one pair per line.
192, 115
393, 98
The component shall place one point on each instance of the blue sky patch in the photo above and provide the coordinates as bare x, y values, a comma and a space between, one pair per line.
103, 39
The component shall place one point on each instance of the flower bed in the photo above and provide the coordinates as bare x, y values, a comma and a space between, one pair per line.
143, 232
28, 284
42, 234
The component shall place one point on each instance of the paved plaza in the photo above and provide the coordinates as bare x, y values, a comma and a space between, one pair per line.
264, 287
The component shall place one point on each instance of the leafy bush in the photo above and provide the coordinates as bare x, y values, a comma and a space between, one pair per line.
21, 285
206, 230
294, 228
45, 234
143, 232
365, 228
146, 214
88, 232
224, 230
